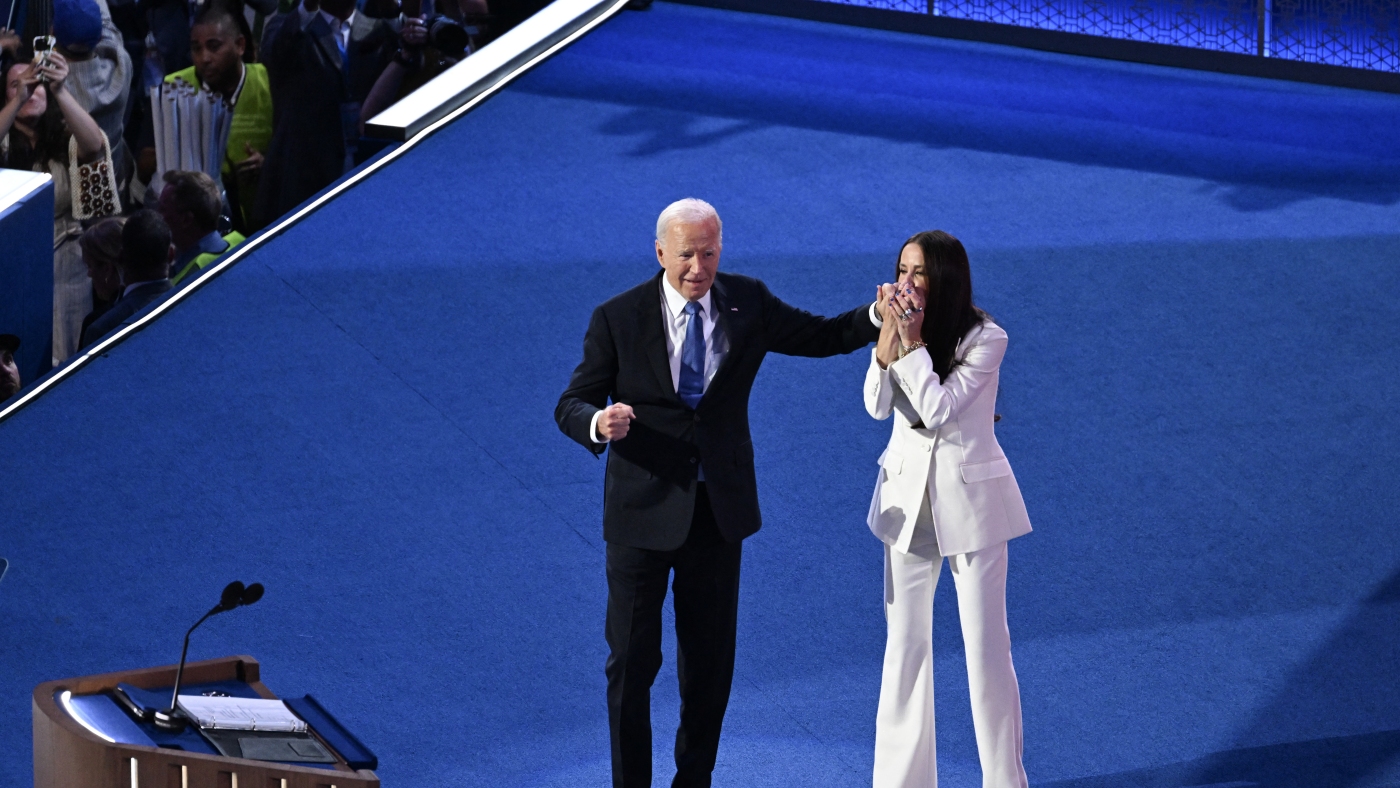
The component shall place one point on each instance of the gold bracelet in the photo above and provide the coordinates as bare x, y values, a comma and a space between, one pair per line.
904, 351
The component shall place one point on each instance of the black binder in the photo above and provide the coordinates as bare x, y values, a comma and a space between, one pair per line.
280, 746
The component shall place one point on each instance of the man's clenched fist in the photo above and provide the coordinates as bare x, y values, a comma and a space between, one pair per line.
614, 422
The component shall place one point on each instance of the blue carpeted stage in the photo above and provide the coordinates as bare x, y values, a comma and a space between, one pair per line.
1198, 274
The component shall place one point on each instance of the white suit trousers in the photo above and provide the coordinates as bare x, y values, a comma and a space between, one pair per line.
904, 731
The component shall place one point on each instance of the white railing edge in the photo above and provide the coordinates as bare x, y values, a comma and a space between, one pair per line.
417, 109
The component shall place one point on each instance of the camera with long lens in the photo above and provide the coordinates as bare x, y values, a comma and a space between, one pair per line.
447, 36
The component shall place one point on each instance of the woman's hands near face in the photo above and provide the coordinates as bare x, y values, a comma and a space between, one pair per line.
908, 308
54, 71
88, 139
887, 346
28, 83
884, 302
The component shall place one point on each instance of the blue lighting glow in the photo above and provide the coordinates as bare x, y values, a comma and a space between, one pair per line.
1355, 33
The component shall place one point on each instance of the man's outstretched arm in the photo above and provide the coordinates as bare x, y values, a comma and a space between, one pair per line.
797, 332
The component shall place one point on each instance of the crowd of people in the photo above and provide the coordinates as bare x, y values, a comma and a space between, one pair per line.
298, 80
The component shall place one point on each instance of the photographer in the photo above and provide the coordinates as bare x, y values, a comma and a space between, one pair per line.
44, 129
428, 46
99, 66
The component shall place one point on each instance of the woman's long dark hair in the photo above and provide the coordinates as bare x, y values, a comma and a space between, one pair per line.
948, 312
51, 133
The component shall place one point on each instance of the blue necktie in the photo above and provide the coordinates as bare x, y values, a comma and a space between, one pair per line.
336, 27
692, 383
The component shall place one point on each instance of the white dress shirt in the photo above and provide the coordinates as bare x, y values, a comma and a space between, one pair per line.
675, 323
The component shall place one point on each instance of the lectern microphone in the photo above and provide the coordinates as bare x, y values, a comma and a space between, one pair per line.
235, 595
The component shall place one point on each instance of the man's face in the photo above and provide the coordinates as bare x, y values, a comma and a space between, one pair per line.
178, 219
340, 9
216, 52
9, 375
690, 255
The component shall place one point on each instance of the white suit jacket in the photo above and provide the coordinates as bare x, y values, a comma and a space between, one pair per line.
953, 455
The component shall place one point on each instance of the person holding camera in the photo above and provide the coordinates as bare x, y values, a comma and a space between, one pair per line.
428, 45
43, 128
99, 67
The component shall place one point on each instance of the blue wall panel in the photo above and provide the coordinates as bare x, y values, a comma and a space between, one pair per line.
26, 279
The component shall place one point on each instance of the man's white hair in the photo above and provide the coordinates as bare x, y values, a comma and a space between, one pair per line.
689, 211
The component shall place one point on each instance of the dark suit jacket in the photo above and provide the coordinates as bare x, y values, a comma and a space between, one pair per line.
99, 308
309, 84
123, 309
649, 490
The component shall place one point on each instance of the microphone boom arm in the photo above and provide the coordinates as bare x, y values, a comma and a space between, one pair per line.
235, 595
184, 651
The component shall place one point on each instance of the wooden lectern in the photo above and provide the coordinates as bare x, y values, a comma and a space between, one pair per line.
68, 755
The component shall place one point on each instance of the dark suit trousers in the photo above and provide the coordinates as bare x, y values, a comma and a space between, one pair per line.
706, 588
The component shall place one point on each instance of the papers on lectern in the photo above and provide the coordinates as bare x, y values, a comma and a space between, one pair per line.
242, 714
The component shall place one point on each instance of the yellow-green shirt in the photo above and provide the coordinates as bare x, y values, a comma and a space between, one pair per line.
202, 261
252, 115
251, 124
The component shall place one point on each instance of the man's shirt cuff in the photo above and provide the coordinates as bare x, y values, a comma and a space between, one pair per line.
593, 428
875, 315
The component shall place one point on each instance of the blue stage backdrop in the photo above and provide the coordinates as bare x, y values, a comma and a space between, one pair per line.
1198, 276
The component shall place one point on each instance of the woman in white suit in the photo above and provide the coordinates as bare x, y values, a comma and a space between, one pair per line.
945, 490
